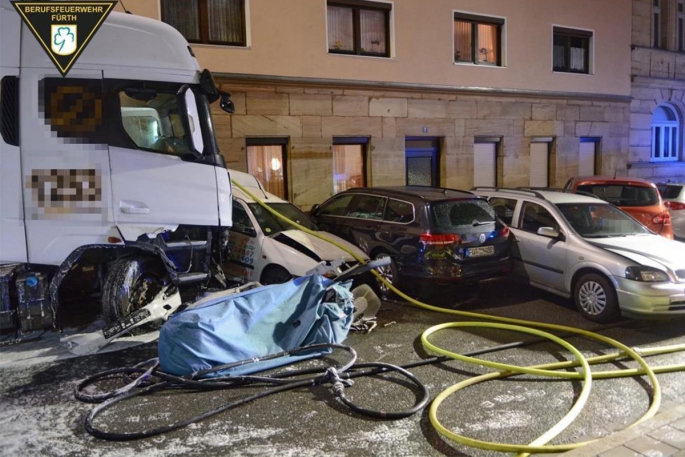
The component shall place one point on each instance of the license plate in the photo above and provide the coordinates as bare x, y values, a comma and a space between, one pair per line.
480, 251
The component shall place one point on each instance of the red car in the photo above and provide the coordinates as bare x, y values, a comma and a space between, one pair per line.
637, 197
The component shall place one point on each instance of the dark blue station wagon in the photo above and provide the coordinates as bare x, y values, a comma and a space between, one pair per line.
432, 234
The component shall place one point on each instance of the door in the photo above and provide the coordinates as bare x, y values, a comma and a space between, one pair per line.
421, 158
244, 245
542, 258
587, 158
64, 161
158, 177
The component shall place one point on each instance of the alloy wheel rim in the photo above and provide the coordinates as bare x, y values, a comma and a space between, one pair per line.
386, 273
592, 297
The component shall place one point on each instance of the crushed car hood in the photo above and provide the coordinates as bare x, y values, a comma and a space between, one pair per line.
323, 249
648, 250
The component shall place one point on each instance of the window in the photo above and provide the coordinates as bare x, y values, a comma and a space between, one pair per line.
680, 25
485, 162
399, 211
665, 134
656, 23
9, 110
534, 216
348, 163
421, 159
477, 39
588, 157
623, 195
366, 207
571, 50
241, 221
359, 27
207, 21
335, 207
266, 162
504, 208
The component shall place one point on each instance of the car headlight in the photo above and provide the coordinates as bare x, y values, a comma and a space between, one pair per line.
646, 274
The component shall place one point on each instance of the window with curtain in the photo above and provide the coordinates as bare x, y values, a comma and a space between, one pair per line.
571, 52
207, 21
359, 27
656, 24
266, 162
665, 134
477, 39
348, 165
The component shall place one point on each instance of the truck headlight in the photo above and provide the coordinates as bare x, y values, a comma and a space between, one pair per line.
646, 274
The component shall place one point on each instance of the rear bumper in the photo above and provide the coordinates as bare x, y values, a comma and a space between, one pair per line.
644, 299
446, 271
678, 223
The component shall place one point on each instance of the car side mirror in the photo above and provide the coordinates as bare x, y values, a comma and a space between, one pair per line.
225, 103
314, 209
549, 232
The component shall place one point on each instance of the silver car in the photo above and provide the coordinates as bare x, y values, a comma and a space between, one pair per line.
582, 247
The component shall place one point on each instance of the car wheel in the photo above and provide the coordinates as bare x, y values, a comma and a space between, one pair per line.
130, 284
389, 273
595, 298
275, 274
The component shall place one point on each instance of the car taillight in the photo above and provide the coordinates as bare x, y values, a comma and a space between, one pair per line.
675, 206
664, 219
504, 232
436, 239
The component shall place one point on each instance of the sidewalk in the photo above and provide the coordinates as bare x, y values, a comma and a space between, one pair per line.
662, 435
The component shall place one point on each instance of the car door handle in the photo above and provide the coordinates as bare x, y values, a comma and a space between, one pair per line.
128, 207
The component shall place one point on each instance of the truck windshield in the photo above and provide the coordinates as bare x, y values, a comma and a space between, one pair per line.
156, 122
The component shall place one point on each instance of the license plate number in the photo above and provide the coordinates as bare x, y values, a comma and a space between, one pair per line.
480, 251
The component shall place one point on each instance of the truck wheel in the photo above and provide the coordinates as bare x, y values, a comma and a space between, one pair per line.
130, 284
595, 298
389, 273
275, 274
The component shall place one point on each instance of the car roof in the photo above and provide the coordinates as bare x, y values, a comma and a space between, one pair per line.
426, 193
552, 196
587, 180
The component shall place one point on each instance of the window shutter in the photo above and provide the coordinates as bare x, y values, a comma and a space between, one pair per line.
484, 164
586, 159
539, 164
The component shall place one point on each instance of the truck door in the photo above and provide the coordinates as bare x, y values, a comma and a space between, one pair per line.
65, 164
159, 179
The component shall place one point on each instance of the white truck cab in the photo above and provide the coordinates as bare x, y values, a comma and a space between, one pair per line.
110, 175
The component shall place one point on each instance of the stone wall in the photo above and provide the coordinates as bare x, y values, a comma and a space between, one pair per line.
310, 117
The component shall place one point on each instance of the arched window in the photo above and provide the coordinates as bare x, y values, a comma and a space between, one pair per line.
665, 134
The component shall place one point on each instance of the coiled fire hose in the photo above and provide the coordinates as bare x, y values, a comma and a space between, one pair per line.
505, 370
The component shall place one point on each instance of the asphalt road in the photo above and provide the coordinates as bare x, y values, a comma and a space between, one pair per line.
39, 415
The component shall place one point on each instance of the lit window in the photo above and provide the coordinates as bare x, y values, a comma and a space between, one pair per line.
665, 134
477, 39
207, 21
267, 163
571, 50
359, 27
348, 163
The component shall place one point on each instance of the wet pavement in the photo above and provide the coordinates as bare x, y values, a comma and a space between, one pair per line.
39, 415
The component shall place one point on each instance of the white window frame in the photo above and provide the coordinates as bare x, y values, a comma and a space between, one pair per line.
668, 128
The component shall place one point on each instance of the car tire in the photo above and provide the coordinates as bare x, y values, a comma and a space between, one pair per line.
130, 284
389, 273
275, 274
595, 298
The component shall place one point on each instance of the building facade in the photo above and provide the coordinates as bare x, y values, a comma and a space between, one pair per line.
658, 90
331, 94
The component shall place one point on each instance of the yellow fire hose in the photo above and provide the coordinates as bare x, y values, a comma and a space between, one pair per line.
505, 370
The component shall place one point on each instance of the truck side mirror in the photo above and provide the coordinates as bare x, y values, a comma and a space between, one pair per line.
190, 118
226, 103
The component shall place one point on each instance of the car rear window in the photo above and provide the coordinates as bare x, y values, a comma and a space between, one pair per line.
671, 191
623, 195
450, 214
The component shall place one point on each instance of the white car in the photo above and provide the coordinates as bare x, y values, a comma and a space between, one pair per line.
582, 247
673, 195
264, 248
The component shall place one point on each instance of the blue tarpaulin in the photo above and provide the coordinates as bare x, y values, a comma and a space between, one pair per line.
256, 323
